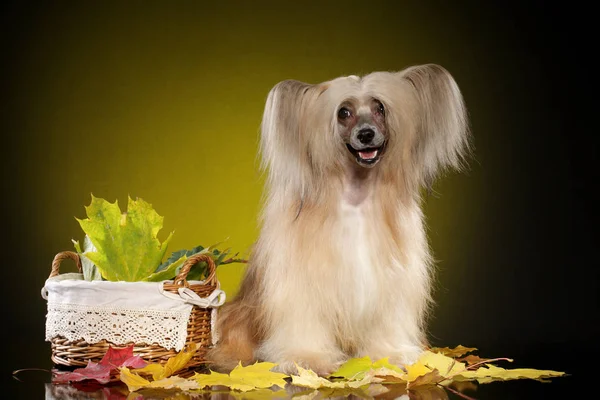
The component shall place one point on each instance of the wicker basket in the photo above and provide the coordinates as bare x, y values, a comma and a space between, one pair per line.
78, 353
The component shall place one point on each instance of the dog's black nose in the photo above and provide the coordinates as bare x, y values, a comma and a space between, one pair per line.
366, 135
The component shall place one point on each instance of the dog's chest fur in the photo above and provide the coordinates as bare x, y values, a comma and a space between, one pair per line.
358, 245
356, 249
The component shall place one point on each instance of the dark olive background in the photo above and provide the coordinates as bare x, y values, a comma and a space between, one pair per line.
163, 100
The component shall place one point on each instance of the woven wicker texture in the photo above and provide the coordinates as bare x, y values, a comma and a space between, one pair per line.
78, 353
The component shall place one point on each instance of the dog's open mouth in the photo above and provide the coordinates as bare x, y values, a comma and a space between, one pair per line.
369, 156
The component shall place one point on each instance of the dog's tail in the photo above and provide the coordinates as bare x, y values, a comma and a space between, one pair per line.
238, 337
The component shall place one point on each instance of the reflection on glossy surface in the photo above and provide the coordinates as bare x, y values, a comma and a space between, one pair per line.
120, 392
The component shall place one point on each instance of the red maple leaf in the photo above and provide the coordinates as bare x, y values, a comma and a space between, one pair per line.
116, 357
112, 360
93, 370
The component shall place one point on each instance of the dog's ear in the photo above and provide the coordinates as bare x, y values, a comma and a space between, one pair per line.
442, 137
282, 146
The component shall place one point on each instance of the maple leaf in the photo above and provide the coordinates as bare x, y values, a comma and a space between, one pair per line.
135, 382
447, 366
309, 379
89, 270
255, 376
433, 368
127, 247
113, 359
458, 351
416, 370
154, 369
179, 362
388, 376
199, 270
100, 373
219, 379
134, 362
491, 373
449, 370
431, 378
173, 364
259, 375
357, 368
167, 273
472, 359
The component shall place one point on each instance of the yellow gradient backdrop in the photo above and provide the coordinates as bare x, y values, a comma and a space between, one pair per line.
163, 101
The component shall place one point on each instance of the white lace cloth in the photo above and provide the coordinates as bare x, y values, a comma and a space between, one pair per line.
123, 312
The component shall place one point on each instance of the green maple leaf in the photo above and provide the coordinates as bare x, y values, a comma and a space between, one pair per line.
127, 247
176, 255
354, 368
357, 368
89, 270
199, 270
168, 272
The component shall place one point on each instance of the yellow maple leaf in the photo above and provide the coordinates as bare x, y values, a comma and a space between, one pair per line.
259, 375
416, 370
431, 378
173, 364
491, 373
446, 366
154, 369
218, 379
431, 368
309, 379
255, 376
133, 381
389, 375
179, 362
472, 359
458, 351
357, 368
174, 382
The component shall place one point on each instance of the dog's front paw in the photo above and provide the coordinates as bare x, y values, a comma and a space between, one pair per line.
406, 355
321, 366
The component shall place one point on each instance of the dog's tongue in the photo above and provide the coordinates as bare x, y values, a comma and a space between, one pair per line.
367, 155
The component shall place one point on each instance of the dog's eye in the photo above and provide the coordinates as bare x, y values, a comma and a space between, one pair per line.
380, 108
344, 113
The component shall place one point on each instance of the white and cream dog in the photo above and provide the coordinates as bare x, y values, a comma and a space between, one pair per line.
342, 266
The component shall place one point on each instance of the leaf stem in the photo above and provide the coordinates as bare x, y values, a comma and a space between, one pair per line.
488, 361
18, 371
451, 377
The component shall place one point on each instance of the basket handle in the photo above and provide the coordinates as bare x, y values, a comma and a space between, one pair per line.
211, 279
63, 256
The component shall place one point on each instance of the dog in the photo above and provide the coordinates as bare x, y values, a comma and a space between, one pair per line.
342, 266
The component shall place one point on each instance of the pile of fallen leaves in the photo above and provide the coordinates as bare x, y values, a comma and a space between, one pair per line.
440, 367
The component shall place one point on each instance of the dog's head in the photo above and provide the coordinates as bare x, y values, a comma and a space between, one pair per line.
362, 127
410, 123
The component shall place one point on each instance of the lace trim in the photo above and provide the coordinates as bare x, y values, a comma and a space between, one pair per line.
166, 328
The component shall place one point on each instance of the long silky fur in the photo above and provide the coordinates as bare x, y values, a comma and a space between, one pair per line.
327, 281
